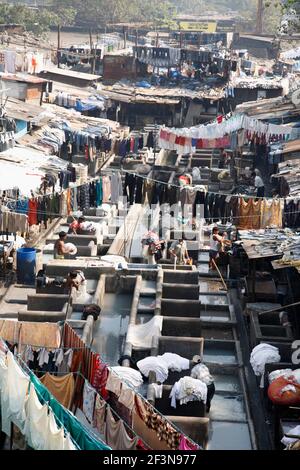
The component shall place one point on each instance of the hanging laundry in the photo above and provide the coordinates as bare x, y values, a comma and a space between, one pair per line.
99, 414
113, 384
141, 336
14, 386
61, 387
88, 401
116, 435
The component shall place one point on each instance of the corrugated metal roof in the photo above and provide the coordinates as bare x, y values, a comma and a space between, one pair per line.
71, 73
24, 111
162, 95
22, 78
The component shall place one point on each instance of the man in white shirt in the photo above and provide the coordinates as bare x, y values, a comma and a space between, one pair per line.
259, 185
178, 251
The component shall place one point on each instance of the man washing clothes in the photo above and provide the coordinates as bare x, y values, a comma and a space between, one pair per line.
178, 251
60, 249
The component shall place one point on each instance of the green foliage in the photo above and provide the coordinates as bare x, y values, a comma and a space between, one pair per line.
99, 13
37, 21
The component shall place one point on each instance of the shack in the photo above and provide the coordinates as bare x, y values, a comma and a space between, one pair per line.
117, 67
24, 87
70, 77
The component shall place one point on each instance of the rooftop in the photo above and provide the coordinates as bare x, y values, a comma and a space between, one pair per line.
70, 73
162, 95
22, 78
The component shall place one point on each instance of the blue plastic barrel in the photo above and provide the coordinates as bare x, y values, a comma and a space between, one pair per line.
26, 265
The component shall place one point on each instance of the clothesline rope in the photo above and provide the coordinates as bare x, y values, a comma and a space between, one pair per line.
287, 199
89, 431
24, 366
109, 406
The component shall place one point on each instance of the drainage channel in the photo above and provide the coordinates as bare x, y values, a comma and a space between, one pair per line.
230, 422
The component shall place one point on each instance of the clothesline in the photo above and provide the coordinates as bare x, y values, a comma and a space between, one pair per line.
24, 366
186, 138
114, 412
292, 198
29, 371
82, 376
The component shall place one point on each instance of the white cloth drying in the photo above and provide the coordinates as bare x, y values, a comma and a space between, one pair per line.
201, 372
55, 435
158, 390
14, 385
261, 355
131, 376
188, 389
43, 357
155, 364
36, 428
175, 362
141, 336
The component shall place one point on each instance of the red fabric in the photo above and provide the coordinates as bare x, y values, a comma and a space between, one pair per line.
288, 397
186, 445
199, 144
131, 144
32, 212
141, 446
163, 134
219, 119
74, 225
185, 179
99, 376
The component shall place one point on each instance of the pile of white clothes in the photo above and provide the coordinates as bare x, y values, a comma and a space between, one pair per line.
286, 373
188, 389
71, 248
162, 364
261, 355
175, 362
201, 372
154, 364
131, 376
141, 336
291, 440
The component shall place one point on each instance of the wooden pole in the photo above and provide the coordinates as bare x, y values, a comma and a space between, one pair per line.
91, 50
283, 307
259, 17
124, 34
58, 45
94, 61
223, 282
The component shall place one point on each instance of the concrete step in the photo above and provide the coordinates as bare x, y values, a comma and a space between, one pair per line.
213, 300
148, 288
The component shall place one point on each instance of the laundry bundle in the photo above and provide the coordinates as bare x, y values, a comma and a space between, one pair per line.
162, 364
188, 389
261, 355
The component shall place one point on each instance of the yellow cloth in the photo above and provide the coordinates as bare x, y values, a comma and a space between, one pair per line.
61, 387
249, 214
271, 213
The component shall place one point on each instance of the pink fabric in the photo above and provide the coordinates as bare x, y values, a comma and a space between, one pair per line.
186, 445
